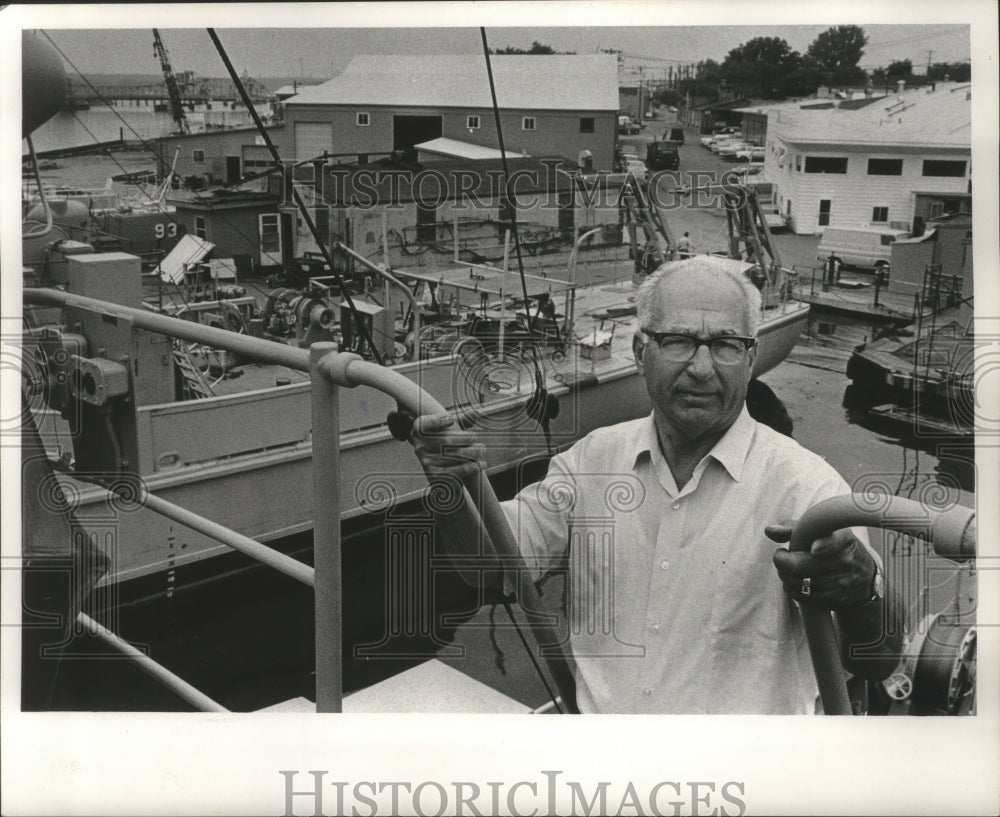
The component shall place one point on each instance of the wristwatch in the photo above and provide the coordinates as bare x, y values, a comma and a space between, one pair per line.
878, 587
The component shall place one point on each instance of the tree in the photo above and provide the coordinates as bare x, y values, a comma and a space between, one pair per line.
536, 48
900, 69
837, 52
765, 66
954, 71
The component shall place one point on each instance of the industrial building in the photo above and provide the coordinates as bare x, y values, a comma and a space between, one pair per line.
899, 161
549, 105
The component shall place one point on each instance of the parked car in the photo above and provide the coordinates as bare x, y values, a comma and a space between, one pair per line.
744, 170
675, 135
718, 144
637, 168
728, 150
868, 247
773, 217
663, 155
754, 153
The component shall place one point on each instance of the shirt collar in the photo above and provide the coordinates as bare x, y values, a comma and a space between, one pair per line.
730, 451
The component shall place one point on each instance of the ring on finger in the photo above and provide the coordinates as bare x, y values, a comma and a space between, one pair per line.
806, 589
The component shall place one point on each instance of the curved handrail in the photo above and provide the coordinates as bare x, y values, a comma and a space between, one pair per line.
951, 533
350, 370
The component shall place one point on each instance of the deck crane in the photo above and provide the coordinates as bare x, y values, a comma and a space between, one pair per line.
750, 237
176, 105
650, 237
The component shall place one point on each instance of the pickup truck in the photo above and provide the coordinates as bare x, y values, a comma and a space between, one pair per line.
628, 126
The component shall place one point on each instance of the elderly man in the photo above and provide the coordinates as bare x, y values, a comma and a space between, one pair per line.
678, 600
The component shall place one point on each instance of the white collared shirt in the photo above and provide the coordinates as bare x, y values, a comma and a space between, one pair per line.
674, 603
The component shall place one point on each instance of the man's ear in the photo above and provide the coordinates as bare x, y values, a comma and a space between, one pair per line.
637, 349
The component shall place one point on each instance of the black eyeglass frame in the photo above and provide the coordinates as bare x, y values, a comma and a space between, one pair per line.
659, 337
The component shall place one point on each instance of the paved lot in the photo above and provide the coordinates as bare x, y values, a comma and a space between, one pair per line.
705, 220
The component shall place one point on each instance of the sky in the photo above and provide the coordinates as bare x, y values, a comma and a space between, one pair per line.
269, 50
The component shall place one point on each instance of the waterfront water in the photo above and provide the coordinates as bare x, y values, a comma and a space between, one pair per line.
128, 121
69, 129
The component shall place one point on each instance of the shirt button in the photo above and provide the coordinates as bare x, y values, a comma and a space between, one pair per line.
647, 691
655, 628
664, 564
676, 505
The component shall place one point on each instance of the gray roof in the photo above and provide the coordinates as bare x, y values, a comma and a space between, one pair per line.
454, 148
918, 118
569, 82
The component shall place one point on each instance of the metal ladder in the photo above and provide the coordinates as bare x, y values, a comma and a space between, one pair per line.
195, 385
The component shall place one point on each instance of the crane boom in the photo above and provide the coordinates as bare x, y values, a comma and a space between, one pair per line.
176, 105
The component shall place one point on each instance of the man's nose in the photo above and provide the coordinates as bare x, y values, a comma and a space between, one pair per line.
702, 364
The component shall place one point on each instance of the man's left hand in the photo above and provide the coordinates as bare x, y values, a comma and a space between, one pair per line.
836, 573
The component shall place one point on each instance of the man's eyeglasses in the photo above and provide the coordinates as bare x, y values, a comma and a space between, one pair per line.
725, 349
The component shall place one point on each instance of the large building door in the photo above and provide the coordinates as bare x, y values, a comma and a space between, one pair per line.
408, 131
313, 139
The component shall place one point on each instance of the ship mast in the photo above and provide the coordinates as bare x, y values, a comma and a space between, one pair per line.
176, 105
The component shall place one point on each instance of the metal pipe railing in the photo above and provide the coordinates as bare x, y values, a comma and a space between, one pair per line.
326, 534
266, 351
237, 541
351, 370
174, 683
951, 534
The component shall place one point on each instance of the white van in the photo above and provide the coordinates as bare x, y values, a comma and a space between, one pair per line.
868, 247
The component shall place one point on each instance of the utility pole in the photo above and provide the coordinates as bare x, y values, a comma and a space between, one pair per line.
929, 55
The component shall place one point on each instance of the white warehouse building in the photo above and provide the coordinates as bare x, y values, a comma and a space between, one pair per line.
899, 161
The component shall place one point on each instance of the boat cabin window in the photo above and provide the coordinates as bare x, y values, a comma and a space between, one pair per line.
586, 124
472, 122
363, 120
528, 123
198, 157
199, 227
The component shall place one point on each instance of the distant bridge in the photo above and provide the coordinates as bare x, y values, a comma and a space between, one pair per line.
193, 92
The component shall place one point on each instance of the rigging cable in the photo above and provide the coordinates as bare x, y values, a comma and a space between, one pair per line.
539, 402
542, 407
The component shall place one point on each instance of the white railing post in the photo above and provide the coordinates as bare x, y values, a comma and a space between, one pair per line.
326, 534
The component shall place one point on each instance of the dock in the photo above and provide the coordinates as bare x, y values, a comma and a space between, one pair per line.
858, 298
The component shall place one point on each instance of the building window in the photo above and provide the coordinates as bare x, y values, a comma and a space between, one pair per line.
472, 122
362, 120
826, 164
199, 227
270, 233
199, 157
586, 124
824, 212
939, 167
880, 215
885, 167
528, 123
936, 210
